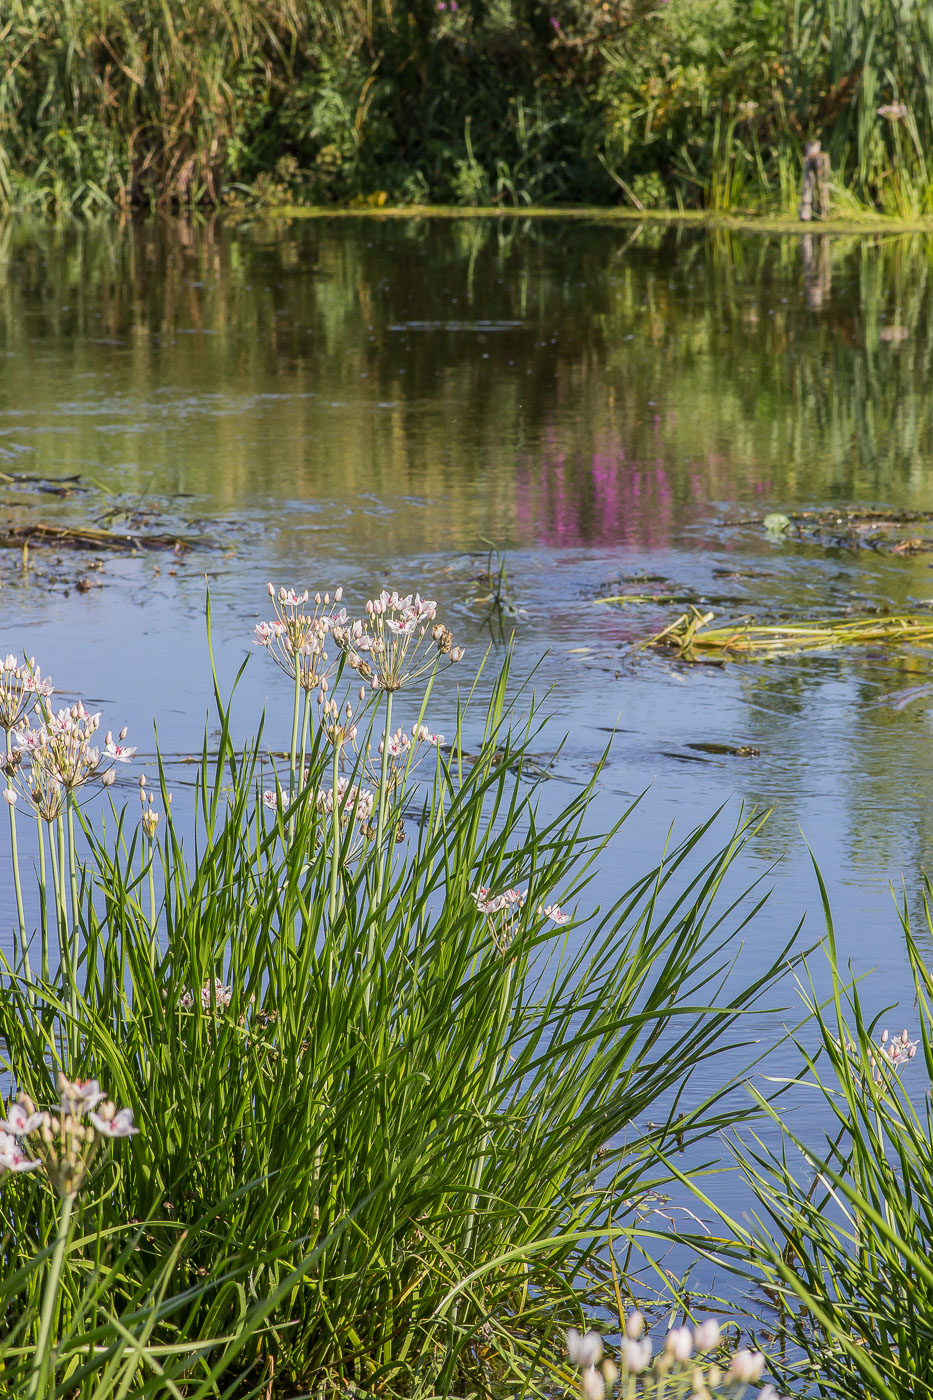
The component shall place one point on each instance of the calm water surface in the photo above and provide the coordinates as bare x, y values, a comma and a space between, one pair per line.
359, 402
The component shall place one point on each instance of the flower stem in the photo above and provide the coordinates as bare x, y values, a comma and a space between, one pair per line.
336, 817
24, 950
38, 1376
152, 905
43, 900
383, 801
293, 750
73, 881
305, 719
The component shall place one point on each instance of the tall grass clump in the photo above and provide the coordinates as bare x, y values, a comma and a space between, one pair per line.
398, 1085
647, 103
840, 1241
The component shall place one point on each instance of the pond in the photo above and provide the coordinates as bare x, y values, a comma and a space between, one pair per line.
600, 409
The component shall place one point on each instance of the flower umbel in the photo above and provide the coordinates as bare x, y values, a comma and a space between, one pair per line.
61, 755
678, 1364
398, 641
295, 638
221, 998
21, 690
66, 1141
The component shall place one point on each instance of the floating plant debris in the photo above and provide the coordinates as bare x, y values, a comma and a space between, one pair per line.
730, 750
36, 534
691, 636
888, 531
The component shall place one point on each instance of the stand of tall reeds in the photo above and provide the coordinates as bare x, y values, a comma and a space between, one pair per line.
648, 103
839, 1241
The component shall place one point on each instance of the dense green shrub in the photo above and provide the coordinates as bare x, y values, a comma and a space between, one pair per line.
644, 102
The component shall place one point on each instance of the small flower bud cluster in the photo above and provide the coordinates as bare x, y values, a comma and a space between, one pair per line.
295, 638
148, 817
891, 1052
21, 690
893, 111
404, 752
220, 996
339, 726
66, 1141
899, 1048
392, 646
502, 912
677, 1369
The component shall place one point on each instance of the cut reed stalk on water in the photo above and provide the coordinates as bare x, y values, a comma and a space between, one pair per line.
691, 636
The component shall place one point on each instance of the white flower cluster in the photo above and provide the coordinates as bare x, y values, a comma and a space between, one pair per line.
65, 1141
396, 643
350, 801
295, 638
21, 689
891, 1052
222, 996
62, 758
679, 1359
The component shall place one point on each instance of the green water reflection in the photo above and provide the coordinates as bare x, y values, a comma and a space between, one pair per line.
369, 400
549, 385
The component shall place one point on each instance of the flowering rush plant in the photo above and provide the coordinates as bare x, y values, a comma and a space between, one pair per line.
21, 690
296, 636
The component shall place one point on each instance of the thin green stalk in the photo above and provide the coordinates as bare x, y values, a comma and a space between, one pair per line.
152, 904
57, 849
305, 725
21, 918
43, 900
42, 1357
337, 816
75, 932
383, 804
293, 749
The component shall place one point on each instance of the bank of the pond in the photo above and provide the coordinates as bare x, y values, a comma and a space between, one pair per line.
646, 103
867, 222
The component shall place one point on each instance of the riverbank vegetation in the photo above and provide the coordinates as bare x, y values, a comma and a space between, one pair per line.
642, 103
392, 1101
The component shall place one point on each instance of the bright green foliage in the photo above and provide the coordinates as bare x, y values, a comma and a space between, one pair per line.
842, 1247
651, 103
397, 1155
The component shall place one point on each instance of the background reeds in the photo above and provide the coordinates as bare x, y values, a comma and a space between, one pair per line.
647, 103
